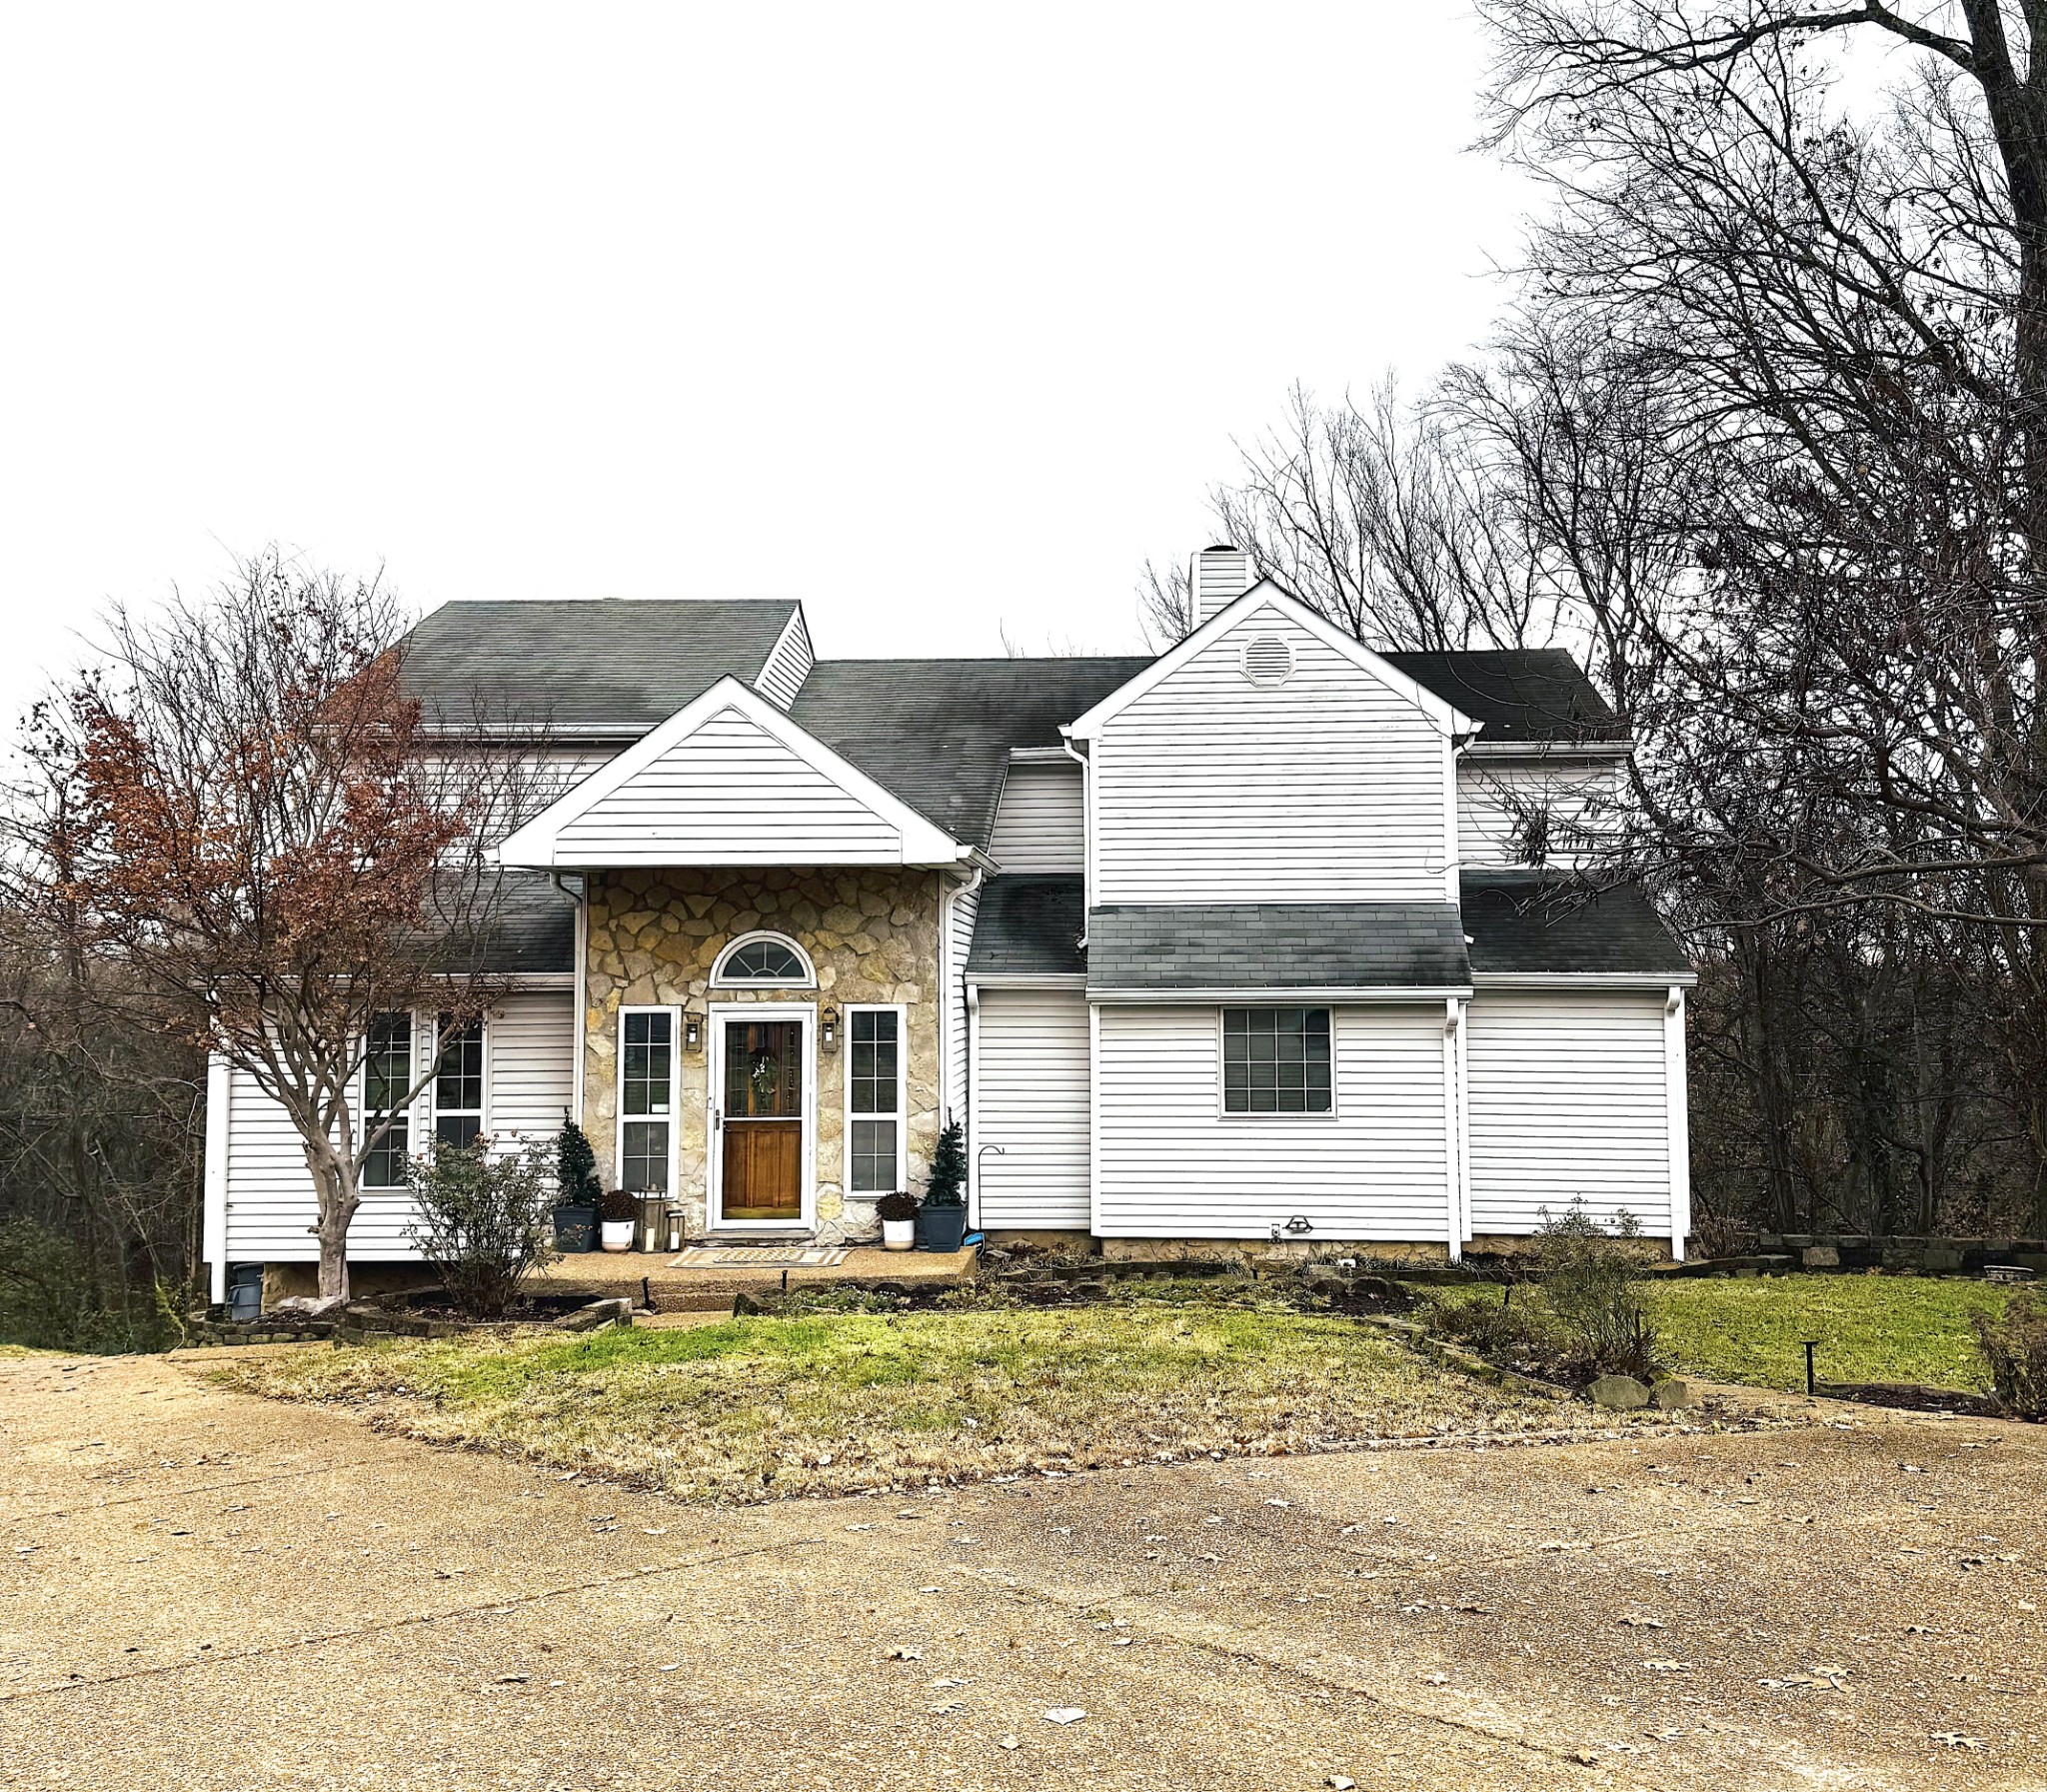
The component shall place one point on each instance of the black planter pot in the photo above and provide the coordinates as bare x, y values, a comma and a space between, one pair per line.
940, 1229
576, 1226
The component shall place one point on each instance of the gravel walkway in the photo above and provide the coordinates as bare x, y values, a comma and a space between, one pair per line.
203, 1589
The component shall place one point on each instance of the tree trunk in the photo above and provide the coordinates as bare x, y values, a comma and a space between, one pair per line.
333, 1184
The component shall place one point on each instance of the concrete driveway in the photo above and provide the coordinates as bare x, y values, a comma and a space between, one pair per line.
200, 1588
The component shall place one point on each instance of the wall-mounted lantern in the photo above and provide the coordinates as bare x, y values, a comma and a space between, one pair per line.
692, 1031
827, 1030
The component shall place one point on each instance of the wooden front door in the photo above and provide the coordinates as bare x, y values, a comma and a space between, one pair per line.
762, 1121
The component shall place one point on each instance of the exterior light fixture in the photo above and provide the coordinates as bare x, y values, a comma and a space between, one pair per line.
827, 1030
692, 1031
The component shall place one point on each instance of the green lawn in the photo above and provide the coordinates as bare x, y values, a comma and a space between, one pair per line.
1870, 1327
775, 1408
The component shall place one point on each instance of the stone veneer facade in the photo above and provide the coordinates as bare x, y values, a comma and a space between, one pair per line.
872, 933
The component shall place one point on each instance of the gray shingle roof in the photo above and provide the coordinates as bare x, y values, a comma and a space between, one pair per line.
1277, 945
1536, 922
939, 732
534, 926
617, 664
1520, 694
1030, 925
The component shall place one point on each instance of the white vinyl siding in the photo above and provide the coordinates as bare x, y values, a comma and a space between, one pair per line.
269, 1192
532, 1039
1332, 787
1493, 797
1173, 1165
788, 663
1032, 1100
959, 942
1568, 1098
729, 793
1039, 825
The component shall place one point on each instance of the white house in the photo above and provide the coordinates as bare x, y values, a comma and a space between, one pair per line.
1261, 938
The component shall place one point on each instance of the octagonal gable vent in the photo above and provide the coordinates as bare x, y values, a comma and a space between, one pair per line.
1268, 660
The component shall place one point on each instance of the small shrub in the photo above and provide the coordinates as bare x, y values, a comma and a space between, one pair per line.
1590, 1287
615, 1204
1505, 1327
2015, 1353
575, 1178
900, 1204
485, 1221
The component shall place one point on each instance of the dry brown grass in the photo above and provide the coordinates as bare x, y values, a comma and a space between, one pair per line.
836, 1403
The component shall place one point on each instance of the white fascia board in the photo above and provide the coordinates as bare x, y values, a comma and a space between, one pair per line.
536, 845
1027, 980
1266, 997
1266, 594
1040, 756
1584, 980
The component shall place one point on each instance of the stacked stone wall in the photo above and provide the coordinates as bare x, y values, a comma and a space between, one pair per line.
872, 934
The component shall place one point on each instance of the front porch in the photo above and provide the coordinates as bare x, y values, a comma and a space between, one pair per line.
677, 1286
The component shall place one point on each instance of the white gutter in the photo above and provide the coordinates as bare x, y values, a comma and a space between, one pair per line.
1289, 995
1584, 980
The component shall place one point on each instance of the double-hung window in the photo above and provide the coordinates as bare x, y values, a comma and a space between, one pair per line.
873, 1102
1275, 1061
387, 1078
459, 1083
647, 1098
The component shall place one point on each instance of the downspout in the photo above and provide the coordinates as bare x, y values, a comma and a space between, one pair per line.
973, 1155
1453, 1131
961, 887
1087, 764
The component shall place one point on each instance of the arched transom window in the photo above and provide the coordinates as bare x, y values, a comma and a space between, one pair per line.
764, 961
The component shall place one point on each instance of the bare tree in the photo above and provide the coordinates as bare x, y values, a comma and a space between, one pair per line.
243, 810
1377, 516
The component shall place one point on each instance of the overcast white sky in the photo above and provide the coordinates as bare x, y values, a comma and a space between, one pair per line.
938, 318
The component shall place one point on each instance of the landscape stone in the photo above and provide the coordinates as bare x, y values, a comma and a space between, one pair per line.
1671, 1395
1820, 1257
1618, 1393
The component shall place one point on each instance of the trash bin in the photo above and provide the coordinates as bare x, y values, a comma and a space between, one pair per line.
245, 1292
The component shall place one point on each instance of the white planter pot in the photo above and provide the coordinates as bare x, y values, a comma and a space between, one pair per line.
617, 1234
899, 1234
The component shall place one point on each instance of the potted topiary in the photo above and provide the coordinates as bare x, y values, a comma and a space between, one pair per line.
619, 1209
898, 1215
577, 1190
942, 1219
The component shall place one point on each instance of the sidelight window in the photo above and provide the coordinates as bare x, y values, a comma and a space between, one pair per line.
873, 1102
647, 1098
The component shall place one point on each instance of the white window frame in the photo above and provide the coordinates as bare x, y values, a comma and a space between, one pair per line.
674, 1095
411, 1110
1225, 1112
431, 1096
901, 1116
722, 979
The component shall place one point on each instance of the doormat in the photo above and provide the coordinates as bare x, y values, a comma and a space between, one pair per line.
764, 1256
